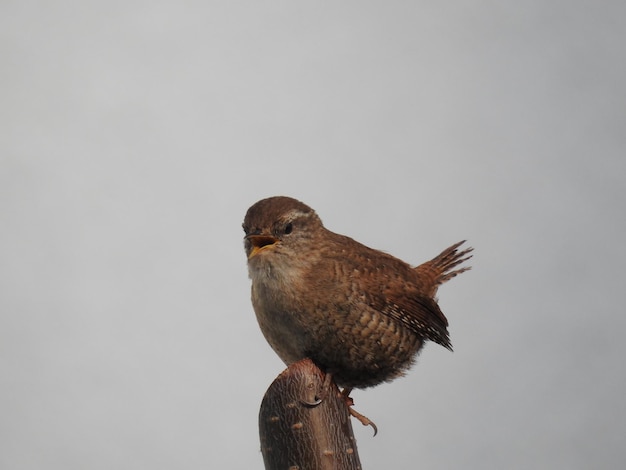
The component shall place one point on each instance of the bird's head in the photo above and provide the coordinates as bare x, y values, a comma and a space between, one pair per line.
279, 227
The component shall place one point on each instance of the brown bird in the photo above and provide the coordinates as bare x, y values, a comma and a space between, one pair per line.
360, 314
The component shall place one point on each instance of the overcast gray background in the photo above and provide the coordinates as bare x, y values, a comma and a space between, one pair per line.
135, 134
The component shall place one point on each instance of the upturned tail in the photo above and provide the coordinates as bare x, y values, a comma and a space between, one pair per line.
441, 268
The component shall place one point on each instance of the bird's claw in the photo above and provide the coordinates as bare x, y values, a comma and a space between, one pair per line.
365, 421
312, 404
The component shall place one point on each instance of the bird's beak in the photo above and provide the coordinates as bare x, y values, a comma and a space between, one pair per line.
258, 243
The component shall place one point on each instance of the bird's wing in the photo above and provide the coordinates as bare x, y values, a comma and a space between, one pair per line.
391, 286
418, 313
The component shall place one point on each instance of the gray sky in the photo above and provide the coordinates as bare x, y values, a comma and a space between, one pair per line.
136, 134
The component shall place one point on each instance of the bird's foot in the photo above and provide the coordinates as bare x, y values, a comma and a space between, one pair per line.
365, 421
322, 393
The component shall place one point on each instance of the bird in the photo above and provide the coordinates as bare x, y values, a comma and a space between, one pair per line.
360, 314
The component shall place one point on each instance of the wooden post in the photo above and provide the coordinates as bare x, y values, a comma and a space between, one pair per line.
298, 434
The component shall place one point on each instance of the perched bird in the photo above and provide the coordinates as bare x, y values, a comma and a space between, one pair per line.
358, 313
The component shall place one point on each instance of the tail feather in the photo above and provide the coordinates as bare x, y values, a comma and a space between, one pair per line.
440, 269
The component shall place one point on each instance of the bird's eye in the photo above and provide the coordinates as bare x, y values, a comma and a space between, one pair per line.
288, 228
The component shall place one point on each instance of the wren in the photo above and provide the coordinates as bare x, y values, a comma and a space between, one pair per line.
358, 313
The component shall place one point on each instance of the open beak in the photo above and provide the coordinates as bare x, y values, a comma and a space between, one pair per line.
258, 243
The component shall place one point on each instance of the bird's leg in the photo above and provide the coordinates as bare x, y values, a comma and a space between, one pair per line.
365, 421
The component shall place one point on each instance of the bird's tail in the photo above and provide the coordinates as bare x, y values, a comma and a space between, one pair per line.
441, 268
